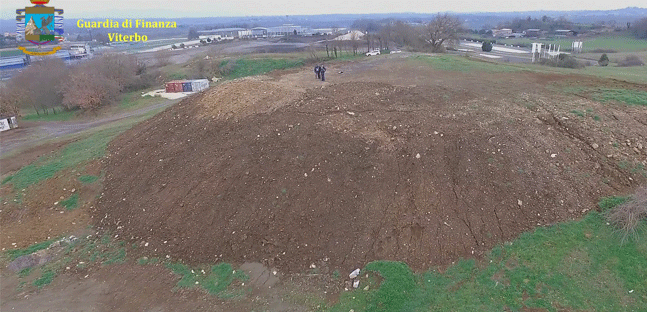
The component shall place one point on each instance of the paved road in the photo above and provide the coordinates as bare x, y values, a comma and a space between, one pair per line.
33, 133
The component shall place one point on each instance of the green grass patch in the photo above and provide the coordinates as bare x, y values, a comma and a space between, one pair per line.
73, 154
24, 272
87, 179
47, 276
629, 97
607, 203
618, 42
13, 254
578, 113
114, 256
134, 99
146, 260
577, 266
215, 280
175, 71
253, 67
72, 202
462, 64
61, 115
624, 96
395, 290
15, 52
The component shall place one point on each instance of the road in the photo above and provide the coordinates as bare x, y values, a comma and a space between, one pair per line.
33, 133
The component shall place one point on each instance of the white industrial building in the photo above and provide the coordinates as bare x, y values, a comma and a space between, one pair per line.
227, 33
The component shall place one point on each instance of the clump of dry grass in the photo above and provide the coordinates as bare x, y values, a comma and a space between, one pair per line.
631, 60
628, 216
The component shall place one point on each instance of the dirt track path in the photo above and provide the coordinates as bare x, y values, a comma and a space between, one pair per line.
30, 134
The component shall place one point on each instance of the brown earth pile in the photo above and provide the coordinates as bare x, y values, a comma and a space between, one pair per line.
348, 173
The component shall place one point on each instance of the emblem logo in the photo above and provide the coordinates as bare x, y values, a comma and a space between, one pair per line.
40, 25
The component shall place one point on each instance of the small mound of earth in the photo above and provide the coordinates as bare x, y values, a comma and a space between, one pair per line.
347, 174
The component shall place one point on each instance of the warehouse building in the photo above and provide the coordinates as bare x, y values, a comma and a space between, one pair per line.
259, 32
288, 30
227, 33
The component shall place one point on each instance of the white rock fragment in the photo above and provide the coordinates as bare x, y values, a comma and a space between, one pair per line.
418, 156
354, 274
356, 284
519, 202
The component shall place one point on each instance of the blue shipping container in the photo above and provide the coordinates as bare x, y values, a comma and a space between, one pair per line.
186, 86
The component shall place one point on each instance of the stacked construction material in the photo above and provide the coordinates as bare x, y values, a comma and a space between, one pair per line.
195, 85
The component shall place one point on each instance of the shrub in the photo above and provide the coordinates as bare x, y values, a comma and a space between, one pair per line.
181, 45
487, 46
173, 47
628, 216
604, 60
38, 86
631, 60
563, 60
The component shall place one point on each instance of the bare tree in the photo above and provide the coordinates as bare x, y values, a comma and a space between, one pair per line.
354, 38
163, 58
8, 102
88, 88
441, 29
38, 86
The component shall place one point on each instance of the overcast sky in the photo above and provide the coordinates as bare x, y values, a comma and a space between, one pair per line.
206, 8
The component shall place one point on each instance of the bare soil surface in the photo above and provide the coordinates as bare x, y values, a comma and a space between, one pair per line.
387, 160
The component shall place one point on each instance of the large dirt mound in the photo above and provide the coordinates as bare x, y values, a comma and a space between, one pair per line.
348, 173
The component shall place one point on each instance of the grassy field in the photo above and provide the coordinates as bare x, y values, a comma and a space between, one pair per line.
91, 146
61, 115
623, 96
463, 64
577, 266
252, 67
620, 42
15, 52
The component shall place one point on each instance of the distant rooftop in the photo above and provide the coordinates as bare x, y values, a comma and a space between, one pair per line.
222, 29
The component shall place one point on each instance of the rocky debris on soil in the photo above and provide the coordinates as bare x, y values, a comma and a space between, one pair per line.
230, 185
354, 274
42, 256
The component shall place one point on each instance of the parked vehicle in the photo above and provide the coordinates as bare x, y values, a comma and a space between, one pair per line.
373, 53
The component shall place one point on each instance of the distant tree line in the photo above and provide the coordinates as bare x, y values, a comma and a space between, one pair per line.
431, 35
545, 23
639, 28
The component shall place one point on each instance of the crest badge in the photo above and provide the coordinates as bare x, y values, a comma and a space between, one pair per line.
40, 25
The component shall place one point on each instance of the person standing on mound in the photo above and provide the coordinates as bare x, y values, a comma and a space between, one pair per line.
317, 69
322, 72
